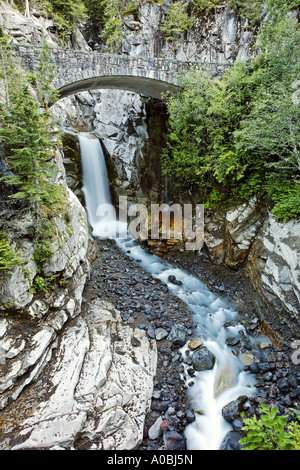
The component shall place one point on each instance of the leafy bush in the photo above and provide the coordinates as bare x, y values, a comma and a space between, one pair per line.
270, 431
294, 430
40, 284
206, 4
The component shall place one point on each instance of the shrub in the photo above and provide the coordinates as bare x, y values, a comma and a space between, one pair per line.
269, 432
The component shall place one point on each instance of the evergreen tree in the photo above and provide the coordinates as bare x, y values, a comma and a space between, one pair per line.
8, 258
95, 10
31, 139
177, 21
45, 74
7, 68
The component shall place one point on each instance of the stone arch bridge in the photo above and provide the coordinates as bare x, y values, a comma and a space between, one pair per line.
87, 70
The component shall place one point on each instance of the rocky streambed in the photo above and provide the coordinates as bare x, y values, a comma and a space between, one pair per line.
145, 303
117, 375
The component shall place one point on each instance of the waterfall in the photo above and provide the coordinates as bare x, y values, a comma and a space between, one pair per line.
96, 185
216, 320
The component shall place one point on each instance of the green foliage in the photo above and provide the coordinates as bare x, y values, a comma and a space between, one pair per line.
176, 21
95, 11
269, 432
239, 135
203, 118
286, 196
250, 9
31, 139
7, 68
8, 257
269, 136
44, 76
43, 250
114, 13
294, 430
206, 4
40, 284
31, 136
67, 14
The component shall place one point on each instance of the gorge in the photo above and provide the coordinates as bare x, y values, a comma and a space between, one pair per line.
110, 356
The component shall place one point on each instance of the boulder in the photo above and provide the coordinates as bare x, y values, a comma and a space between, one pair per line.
232, 410
231, 441
177, 335
203, 359
174, 441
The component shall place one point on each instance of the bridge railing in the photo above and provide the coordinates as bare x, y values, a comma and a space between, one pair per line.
62, 58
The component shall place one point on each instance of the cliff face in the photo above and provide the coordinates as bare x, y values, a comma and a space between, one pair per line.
249, 237
218, 36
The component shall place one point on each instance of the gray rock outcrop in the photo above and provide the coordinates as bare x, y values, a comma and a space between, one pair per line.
97, 387
249, 237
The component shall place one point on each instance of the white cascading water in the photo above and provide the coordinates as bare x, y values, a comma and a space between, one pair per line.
212, 389
95, 188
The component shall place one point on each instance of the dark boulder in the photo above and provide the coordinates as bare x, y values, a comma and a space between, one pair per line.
233, 410
203, 359
231, 441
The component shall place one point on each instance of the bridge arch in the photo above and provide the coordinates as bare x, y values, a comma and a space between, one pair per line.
146, 86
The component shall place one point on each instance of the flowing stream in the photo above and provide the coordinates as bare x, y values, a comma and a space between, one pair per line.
216, 320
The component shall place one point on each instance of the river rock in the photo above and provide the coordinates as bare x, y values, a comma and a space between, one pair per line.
160, 333
151, 332
233, 410
283, 386
195, 344
231, 441
225, 379
232, 341
175, 281
177, 335
155, 431
174, 441
203, 359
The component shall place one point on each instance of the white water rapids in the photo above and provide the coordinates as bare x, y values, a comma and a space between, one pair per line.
212, 389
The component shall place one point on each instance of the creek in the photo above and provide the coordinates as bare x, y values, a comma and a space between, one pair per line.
216, 320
